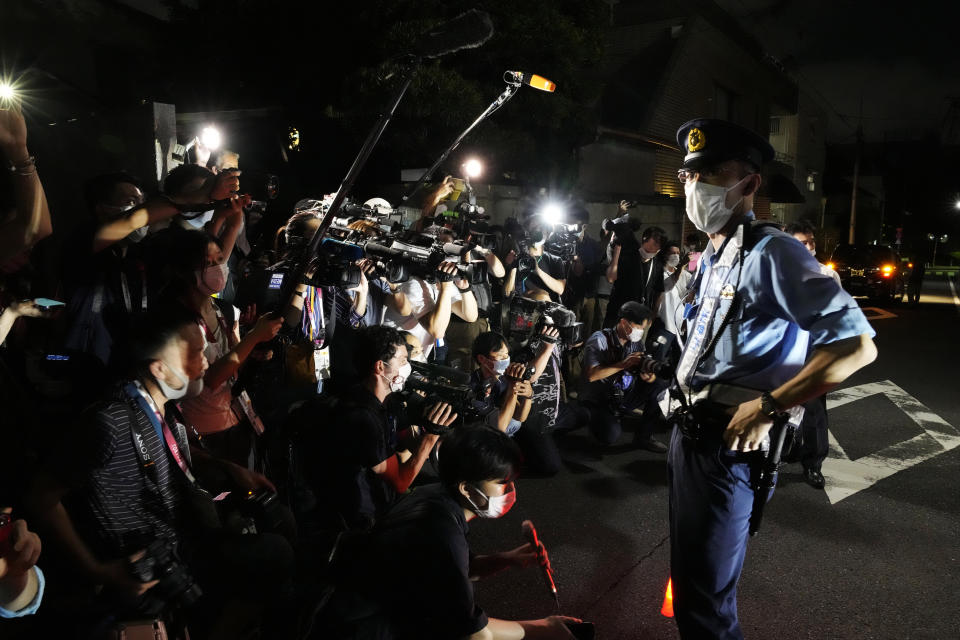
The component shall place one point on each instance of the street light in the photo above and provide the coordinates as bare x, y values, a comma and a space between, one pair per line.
936, 240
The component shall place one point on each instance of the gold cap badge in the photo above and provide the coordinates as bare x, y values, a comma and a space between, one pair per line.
696, 140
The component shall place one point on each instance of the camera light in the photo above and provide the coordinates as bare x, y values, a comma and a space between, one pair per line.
210, 138
473, 168
552, 213
7, 92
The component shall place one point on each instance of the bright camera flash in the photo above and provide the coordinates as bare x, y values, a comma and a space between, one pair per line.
7, 91
473, 168
210, 138
552, 213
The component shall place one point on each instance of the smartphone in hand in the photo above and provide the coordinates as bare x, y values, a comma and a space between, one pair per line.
47, 303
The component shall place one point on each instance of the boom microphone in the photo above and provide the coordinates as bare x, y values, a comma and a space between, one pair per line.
529, 79
530, 534
469, 30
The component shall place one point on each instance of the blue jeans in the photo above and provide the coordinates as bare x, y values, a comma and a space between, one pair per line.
710, 503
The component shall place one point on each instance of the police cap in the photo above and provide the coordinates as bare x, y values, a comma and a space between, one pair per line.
708, 141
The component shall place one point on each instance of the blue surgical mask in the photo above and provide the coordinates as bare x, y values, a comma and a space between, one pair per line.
500, 366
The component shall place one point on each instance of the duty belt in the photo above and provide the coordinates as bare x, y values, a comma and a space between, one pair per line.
712, 407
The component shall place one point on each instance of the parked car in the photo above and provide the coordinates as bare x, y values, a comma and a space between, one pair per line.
869, 270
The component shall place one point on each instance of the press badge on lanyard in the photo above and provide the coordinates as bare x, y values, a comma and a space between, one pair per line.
315, 329
321, 363
242, 403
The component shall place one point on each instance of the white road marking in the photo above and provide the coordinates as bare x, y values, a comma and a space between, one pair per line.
877, 313
956, 299
846, 477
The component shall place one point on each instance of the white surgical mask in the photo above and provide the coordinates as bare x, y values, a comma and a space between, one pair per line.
398, 381
673, 260
136, 235
500, 366
707, 205
189, 389
212, 279
813, 252
646, 255
635, 335
496, 505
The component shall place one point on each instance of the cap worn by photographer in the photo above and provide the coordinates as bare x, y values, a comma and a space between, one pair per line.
635, 312
708, 142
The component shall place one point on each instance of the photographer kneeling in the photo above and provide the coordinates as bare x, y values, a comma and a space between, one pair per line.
498, 384
415, 572
359, 461
612, 386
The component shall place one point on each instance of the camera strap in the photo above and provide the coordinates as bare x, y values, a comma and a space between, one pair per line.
136, 391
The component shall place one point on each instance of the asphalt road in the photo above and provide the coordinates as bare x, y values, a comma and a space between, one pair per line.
877, 555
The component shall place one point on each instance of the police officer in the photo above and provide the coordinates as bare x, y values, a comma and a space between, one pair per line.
758, 302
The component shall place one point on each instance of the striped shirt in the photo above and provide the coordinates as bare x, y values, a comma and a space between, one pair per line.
118, 506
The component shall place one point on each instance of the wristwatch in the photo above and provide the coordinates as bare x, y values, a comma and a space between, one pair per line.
768, 406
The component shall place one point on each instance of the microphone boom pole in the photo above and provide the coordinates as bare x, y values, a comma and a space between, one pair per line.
468, 30
508, 93
373, 137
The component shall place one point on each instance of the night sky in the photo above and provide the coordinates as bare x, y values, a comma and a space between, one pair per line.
321, 67
900, 58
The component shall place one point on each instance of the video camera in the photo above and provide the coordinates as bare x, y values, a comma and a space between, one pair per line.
440, 384
624, 227
559, 234
409, 254
526, 318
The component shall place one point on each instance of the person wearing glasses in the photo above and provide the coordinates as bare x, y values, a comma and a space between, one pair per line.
766, 332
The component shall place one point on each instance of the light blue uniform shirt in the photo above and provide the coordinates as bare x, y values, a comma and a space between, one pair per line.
789, 307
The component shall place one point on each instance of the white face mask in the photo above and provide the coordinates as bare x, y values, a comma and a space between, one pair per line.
212, 279
635, 335
397, 381
500, 366
673, 260
707, 205
420, 357
813, 252
646, 255
496, 505
189, 389
136, 235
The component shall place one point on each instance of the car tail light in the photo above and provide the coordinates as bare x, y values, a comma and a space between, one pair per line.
887, 270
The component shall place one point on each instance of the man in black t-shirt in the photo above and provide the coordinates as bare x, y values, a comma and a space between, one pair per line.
420, 547
635, 270
358, 466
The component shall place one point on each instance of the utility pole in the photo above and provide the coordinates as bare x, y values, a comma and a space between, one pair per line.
856, 178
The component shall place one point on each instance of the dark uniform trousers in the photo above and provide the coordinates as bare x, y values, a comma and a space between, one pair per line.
710, 503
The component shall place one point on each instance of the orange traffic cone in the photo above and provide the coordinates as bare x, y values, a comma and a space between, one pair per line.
667, 608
